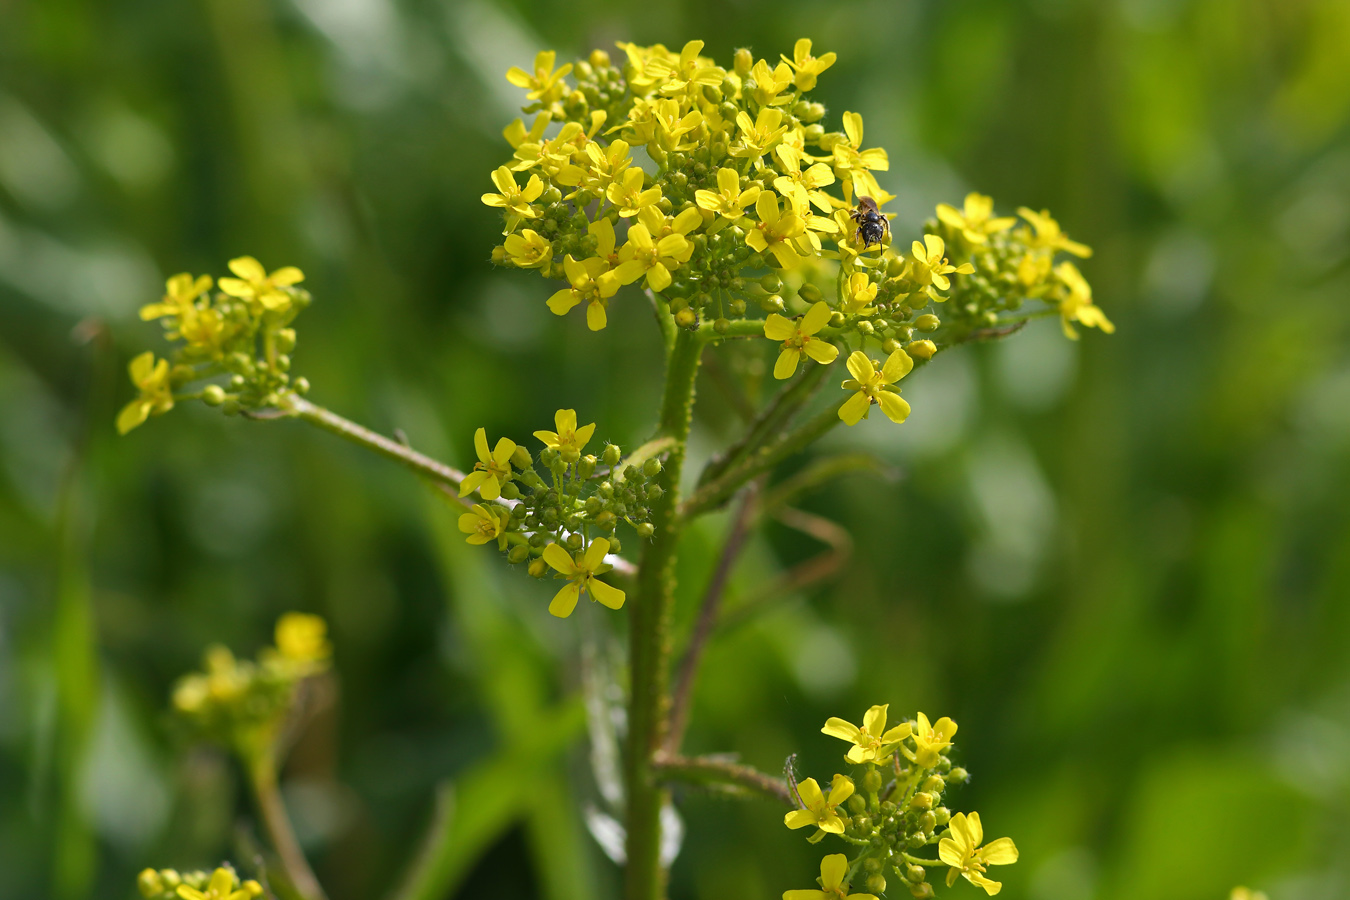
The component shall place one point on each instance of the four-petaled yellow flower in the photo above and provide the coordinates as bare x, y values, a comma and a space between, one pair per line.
569, 440
855, 164
156, 397
492, 470
581, 571
758, 137
770, 83
775, 230
221, 887
798, 338
975, 221
181, 291
592, 284
483, 524
1048, 234
872, 743
930, 740
528, 249
255, 284
821, 811
627, 195
689, 72
833, 876
1075, 304
729, 201
514, 199
869, 384
546, 84
653, 258
960, 848
806, 66
302, 637
930, 266
860, 291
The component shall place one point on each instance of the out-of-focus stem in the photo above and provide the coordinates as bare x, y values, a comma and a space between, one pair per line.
263, 779
706, 770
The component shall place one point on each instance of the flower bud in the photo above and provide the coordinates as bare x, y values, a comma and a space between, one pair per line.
253, 888
213, 395
865, 327
611, 455
573, 542
922, 891
927, 322
615, 546
586, 465
537, 568
686, 318
510, 491
958, 776
836, 319
518, 554
772, 303
928, 821
921, 800
301, 385
922, 349
857, 803
918, 839
285, 340
876, 884
646, 530
605, 520
943, 815
652, 467
915, 874
871, 780
810, 293
862, 823
149, 883
814, 133
743, 61
771, 283
171, 878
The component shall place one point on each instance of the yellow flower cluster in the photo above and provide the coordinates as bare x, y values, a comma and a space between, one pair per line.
222, 884
239, 335
717, 188
885, 819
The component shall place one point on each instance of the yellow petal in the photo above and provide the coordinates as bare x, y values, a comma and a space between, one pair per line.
874, 720
786, 366
854, 408
559, 559
606, 594
893, 405
595, 315
897, 366
501, 454
950, 853
561, 303
935, 245
1001, 852
822, 352
490, 489
133, 414
811, 793
583, 434
480, 445
860, 367
248, 268
853, 128
833, 871
766, 207
836, 727
565, 600
287, 276
471, 482
778, 328
816, 318
799, 818
595, 554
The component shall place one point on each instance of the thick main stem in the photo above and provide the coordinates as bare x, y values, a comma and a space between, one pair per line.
649, 634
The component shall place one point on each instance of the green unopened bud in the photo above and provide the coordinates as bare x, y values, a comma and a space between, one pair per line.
586, 465
548, 457
922, 349
599, 59
686, 318
928, 821
862, 823
934, 784
915, 874
646, 530
285, 340
943, 815
573, 542
537, 568
876, 884
283, 362
918, 839
743, 61
921, 800
510, 491
213, 395
958, 776
171, 878
518, 554
301, 385
944, 764
615, 546
922, 891
871, 864
890, 345
836, 319
771, 283
652, 467
722, 325
865, 327
871, 780
520, 458
773, 303
605, 520
149, 883
927, 322
810, 293
611, 455
857, 803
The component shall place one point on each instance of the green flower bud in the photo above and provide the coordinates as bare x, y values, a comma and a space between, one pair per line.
862, 823
521, 458
890, 345
646, 530
921, 349
836, 318
921, 800
548, 457
149, 883
573, 542
773, 303
928, 821
871, 780
743, 61
934, 784
301, 385
810, 293
943, 815
537, 568
285, 340
771, 283
518, 554
857, 803
865, 327
871, 864
510, 491
213, 395
614, 545
605, 520
876, 884
922, 891
586, 465
918, 839
652, 467
958, 776
611, 455
686, 318
927, 322
915, 874
171, 878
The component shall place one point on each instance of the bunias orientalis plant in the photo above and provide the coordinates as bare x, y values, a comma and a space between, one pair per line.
718, 197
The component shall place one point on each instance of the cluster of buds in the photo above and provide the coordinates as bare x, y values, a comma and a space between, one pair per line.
892, 810
242, 703
234, 343
754, 204
560, 511
222, 884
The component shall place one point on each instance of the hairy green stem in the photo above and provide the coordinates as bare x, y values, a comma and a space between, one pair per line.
263, 779
649, 633
714, 772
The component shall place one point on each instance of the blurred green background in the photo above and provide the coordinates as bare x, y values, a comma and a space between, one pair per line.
1122, 565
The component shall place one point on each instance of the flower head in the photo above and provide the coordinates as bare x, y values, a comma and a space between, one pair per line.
546, 84
181, 292
627, 195
655, 258
569, 440
302, 637
930, 266
581, 570
483, 524
222, 886
854, 164
975, 221
821, 811
775, 230
528, 249
807, 66
592, 284
960, 848
930, 740
729, 201
798, 337
492, 470
156, 393
871, 385
872, 742
759, 136
833, 882
517, 201
255, 284
1048, 235
1075, 303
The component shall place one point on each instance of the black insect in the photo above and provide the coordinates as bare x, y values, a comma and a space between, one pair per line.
872, 225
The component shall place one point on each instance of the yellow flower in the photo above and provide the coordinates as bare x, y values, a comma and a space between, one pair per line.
758, 137
581, 571
729, 201
204, 330
689, 72
930, 740
628, 196
569, 440
552, 156
1242, 893
492, 469
833, 875
592, 284
975, 221
546, 84
771, 83
1048, 234
607, 165
1033, 269
797, 338
516, 134
872, 743
802, 186
301, 637
931, 267
960, 848
807, 66
255, 284
775, 230
221, 887
1075, 304
860, 292
515, 200
671, 126
528, 249
655, 259
156, 397
870, 385
483, 524
180, 292
853, 163
821, 811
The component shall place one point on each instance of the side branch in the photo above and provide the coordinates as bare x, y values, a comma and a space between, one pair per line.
712, 772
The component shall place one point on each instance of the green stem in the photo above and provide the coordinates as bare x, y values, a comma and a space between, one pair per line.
649, 633
263, 779
703, 770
